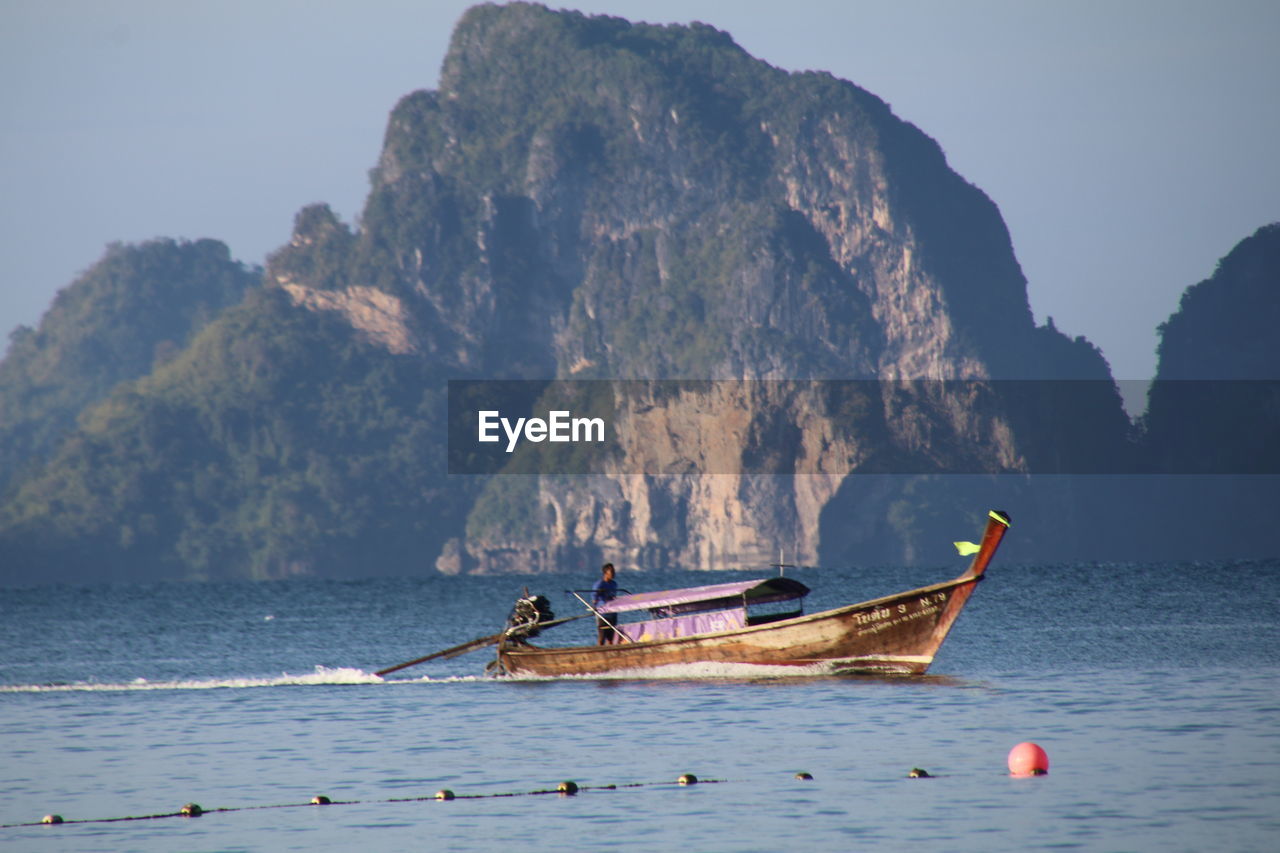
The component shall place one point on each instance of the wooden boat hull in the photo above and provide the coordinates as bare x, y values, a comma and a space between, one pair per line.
897, 634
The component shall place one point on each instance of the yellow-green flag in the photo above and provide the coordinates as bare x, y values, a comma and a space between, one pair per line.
967, 548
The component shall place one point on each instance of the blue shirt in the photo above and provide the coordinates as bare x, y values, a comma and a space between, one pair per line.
605, 591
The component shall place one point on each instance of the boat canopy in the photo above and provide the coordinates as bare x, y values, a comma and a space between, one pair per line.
737, 594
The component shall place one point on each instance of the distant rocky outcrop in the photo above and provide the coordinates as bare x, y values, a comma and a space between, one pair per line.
1213, 406
1226, 326
1214, 409
587, 198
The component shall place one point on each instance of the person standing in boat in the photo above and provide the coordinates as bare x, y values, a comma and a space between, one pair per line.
604, 591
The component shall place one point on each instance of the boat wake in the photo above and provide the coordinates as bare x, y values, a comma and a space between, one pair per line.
326, 676
322, 676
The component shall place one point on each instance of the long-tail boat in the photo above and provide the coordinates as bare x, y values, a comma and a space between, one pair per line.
760, 623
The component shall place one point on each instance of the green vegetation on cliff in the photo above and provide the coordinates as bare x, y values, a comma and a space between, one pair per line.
276, 444
583, 198
133, 311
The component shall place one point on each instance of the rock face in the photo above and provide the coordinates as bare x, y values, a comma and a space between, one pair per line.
1214, 409
1225, 327
584, 198
588, 198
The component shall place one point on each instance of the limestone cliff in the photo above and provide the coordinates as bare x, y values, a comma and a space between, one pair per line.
585, 197
1214, 409
1213, 406
1225, 326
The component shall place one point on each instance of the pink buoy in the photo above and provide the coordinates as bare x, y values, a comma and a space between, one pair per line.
1028, 759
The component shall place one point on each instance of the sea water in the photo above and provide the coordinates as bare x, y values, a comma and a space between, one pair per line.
1155, 690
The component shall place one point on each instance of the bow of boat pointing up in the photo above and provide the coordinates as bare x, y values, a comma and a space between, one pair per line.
997, 524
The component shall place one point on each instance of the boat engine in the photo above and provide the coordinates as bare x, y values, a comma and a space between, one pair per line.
528, 613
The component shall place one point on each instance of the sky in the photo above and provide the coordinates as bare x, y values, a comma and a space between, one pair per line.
1129, 144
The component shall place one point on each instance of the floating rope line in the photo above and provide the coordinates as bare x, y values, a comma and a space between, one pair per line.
191, 810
